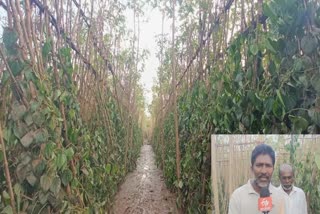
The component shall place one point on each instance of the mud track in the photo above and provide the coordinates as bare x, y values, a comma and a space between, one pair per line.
144, 190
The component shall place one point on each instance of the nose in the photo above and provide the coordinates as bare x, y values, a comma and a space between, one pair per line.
264, 169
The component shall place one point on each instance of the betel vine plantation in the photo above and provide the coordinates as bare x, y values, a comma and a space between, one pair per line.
78, 134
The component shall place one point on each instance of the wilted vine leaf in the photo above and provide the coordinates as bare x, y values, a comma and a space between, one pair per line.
20, 129
39, 118
45, 182
18, 111
56, 185
32, 180
43, 197
27, 139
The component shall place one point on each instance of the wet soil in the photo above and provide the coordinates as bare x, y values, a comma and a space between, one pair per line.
144, 190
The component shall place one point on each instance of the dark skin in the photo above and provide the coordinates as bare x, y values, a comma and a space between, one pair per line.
286, 176
262, 169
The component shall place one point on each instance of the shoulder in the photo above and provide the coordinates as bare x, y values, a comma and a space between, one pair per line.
241, 190
277, 192
298, 190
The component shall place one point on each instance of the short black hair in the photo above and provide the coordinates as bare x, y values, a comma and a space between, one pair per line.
262, 149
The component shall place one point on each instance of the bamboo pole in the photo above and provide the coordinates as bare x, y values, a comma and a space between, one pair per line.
7, 172
231, 139
214, 175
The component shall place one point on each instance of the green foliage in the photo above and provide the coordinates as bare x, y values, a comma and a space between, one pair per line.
58, 169
307, 173
279, 95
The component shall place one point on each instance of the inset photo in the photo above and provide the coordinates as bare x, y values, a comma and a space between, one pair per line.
274, 174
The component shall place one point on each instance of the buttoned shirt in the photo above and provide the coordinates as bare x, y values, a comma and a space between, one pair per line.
296, 201
244, 200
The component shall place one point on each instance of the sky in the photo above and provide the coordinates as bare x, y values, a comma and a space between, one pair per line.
150, 27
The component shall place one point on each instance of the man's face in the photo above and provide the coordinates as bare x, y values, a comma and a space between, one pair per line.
262, 169
286, 179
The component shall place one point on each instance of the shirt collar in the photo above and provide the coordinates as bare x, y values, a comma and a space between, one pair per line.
294, 189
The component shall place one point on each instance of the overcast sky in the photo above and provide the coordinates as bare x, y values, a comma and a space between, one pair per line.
150, 26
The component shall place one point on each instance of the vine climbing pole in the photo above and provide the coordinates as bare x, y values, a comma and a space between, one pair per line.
69, 112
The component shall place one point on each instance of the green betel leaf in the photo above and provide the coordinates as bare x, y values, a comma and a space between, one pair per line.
45, 182
46, 50
56, 185
108, 168
254, 49
16, 67
10, 39
268, 104
17, 189
6, 196
314, 114
69, 153
5, 77
308, 44
48, 150
38, 167
38, 118
61, 160
268, 45
7, 210
268, 11
315, 82
278, 109
299, 123
41, 136
66, 177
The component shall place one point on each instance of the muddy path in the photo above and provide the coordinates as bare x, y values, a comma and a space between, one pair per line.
144, 190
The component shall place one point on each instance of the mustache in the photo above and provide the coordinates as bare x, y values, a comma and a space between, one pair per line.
263, 176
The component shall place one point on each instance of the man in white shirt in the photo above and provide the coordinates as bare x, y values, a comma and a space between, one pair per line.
296, 199
244, 200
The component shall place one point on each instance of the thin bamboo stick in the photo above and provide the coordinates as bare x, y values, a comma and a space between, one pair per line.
7, 172
214, 175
